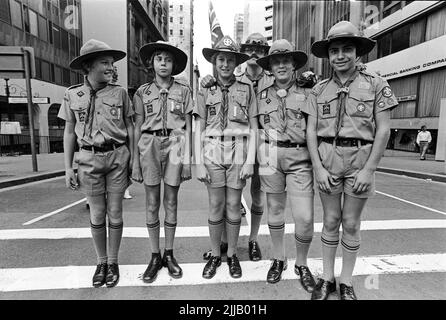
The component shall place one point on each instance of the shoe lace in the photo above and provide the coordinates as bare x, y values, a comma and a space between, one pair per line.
348, 290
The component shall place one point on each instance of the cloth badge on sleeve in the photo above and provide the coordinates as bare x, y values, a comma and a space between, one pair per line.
264, 94
326, 109
212, 111
390, 101
360, 107
387, 92
149, 108
266, 119
82, 116
80, 93
268, 101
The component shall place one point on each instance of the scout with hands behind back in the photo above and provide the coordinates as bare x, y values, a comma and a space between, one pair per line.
348, 129
98, 114
285, 165
163, 126
225, 149
255, 47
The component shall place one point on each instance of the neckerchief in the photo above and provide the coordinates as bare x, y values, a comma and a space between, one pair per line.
91, 108
223, 114
163, 92
282, 94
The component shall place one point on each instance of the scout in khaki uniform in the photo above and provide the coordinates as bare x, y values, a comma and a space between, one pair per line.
163, 126
255, 47
347, 133
98, 114
285, 165
225, 149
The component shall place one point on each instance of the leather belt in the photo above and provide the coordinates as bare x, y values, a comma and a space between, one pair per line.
225, 138
104, 148
287, 144
160, 132
347, 142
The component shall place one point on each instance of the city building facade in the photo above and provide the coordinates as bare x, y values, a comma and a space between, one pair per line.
258, 17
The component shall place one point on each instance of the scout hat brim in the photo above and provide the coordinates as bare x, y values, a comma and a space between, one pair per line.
363, 45
208, 53
300, 59
77, 62
179, 56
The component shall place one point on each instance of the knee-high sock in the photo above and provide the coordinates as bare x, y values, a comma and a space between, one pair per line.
330, 243
154, 236
114, 241
277, 232
233, 231
350, 248
99, 235
215, 232
303, 243
256, 218
169, 234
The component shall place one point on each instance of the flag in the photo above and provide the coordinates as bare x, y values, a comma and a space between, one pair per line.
216, 33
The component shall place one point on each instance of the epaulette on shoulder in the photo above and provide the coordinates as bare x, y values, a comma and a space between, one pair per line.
240, 80
182, 81
369, 73
76, 86
318, 87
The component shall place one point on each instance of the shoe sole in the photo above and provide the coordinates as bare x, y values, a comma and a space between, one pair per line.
237, 276
255, 259
111, 285
154, 278
98, 285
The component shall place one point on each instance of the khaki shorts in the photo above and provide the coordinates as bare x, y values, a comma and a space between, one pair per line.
161, 158
286, 169
224, 161
101, 172
344, 163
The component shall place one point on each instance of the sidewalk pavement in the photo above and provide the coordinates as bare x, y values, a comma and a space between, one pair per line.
16, 170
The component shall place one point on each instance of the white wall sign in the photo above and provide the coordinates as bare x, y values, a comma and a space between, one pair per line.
425, 56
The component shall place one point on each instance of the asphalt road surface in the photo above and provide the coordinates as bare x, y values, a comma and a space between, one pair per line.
46, 251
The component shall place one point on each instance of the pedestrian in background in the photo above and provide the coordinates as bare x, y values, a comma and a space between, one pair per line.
163, 128
98, 115
225, 149
424, 138
285, 165
347, 133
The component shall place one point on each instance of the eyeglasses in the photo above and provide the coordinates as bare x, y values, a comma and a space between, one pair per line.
254, 49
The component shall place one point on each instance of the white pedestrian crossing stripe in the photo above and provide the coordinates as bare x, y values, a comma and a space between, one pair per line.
77, 277
203, 231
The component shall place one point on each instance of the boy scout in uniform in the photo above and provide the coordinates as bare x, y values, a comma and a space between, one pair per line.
98, 114
163, 126
255, 47
225, 149
347, 133
285, 165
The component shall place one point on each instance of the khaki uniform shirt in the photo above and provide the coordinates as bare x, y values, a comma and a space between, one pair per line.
368, 95
112, 104
293, 129
241, 108
147, 102
265, 81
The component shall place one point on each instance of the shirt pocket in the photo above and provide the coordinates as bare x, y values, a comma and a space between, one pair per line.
112, 109
238, 110
80, 112
360, 104
176, 106
151, 105
295, 117
267, 116
213, 105
326, 106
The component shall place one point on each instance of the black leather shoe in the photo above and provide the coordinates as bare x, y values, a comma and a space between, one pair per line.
223, 250
154, 266
210, 269
275, 271
323, 289
112, 278
254, 251
242, 210
347, 292
99, 275
171, 264
235, 270
306, 278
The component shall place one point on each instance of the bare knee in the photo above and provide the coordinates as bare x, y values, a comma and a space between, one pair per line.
331, 223
351, 226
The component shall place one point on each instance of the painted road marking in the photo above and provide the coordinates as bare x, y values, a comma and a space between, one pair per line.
203, 231
30, 184
54, 212
76, 277
412, 203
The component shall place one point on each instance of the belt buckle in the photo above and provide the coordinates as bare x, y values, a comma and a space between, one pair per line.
344, 142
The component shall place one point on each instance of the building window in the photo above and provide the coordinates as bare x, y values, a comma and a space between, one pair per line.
181, 7
64, 38
171, 6
181, 20
171, 32
58, 75
181, 32
66, 77
391, 7
16, 14
43, 28
25, 18
38, 69
45, 71
268, 28
392, 42
56, 36
4, 11
171, 19
33, 24
50, 32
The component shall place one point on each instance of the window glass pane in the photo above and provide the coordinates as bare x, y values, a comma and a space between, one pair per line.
384, 45
38, 69
45, 71
58, 75
56, 36
16, 14
25, 18
43, 28
66, 77
33, 28
400, 39
4, 11
64, 36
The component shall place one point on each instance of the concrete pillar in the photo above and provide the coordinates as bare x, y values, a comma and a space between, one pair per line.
42, 118
440, 154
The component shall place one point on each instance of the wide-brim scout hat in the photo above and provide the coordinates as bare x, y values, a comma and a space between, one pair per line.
255, 40
179, 55
93, 48
226, 44
343, 30
283, 47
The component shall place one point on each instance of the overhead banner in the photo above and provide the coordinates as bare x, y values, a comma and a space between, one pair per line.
425, 56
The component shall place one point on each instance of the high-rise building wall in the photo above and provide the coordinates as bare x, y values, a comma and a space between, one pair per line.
181, 32
238, 28
258, 17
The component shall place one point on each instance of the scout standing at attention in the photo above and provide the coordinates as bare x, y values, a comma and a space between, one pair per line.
98, 114
163, 126
255, 47
225, 149
347, 133
285, 164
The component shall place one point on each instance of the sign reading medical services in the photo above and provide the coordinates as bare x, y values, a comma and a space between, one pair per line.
425, 56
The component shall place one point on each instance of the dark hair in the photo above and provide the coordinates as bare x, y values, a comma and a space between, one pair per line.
150, 61
423, 127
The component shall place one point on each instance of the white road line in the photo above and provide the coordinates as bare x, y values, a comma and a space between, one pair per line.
410, 202
30, 184
54, 212
76, 277
408, 177
203, 231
